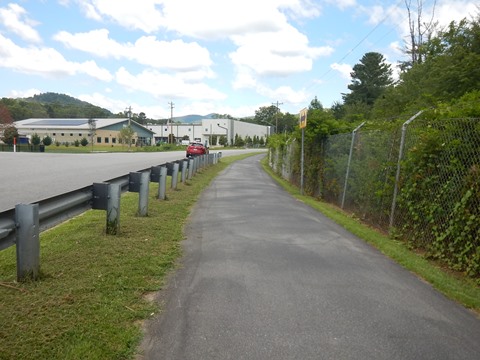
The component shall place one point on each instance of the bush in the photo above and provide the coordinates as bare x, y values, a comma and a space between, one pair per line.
35, 139
84, 142
47, 141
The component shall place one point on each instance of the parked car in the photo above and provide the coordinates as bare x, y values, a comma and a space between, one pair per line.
195, 149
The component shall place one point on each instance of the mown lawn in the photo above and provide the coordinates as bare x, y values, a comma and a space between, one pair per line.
93, 293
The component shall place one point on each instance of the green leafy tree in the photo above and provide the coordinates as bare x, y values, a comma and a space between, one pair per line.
5, 116
450, 69
223, 140
36, 139
239, 141
47, 141
370, 78
92, 126
265, 115
9, 133
315, 104
126, 135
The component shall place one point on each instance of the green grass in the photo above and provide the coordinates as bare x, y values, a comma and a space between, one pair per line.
455, 286
93, 293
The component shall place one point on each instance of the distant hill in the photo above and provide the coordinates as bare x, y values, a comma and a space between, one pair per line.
54, 98
52, 105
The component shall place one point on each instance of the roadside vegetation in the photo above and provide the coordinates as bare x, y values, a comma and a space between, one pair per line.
452, 284
436, 193
96, 290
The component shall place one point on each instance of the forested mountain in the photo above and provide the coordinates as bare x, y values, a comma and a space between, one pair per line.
51, 105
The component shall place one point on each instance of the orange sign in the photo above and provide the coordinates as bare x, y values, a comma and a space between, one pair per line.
303, 118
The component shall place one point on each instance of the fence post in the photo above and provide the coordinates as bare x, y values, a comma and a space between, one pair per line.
28, 241
354, 132
113, 209
400, 156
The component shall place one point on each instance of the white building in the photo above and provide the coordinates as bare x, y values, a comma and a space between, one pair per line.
209, 129
106, 131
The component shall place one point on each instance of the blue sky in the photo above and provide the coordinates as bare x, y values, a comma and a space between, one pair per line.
222, 56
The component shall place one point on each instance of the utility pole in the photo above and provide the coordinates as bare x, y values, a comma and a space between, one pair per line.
172, 105
276, 115
129, 114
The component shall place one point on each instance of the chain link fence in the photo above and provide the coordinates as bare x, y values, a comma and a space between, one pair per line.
420, 182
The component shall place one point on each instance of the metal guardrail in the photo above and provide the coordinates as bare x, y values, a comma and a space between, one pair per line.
55, 210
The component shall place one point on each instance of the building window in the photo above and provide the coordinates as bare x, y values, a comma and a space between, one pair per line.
71, 134
80, 135
189, 129
106, 140
63, 134
53, 134
99, 140
114, 140
206, 129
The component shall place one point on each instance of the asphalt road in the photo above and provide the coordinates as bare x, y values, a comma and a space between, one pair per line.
30, 177
266, 277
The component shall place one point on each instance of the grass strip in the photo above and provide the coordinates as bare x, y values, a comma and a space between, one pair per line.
93, 293
455, 286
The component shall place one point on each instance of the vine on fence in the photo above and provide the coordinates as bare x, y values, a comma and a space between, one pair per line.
438, 206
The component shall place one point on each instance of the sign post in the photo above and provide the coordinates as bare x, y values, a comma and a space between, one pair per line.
303, 125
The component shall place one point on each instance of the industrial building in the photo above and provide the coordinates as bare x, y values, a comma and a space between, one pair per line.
107, 131
209, 130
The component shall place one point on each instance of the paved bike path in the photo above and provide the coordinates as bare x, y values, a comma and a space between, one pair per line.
266, 277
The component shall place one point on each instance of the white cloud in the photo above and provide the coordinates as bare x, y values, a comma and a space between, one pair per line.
142, 15
101, 100
147, 50
276, 53
166, 85
45, 61
343, 4
448, 11
23, 93
343, 69
15, 19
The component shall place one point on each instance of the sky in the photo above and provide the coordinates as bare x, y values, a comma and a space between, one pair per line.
183, 57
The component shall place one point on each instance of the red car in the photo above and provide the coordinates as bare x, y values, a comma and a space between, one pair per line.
195, 149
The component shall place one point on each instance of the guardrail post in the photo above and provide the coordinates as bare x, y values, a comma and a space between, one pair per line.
113, 209
139, 182
143, 194
190, 168
28, 241
175, 175
159, 174
184, 170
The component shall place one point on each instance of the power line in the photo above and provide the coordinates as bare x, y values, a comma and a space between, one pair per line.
362, 40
